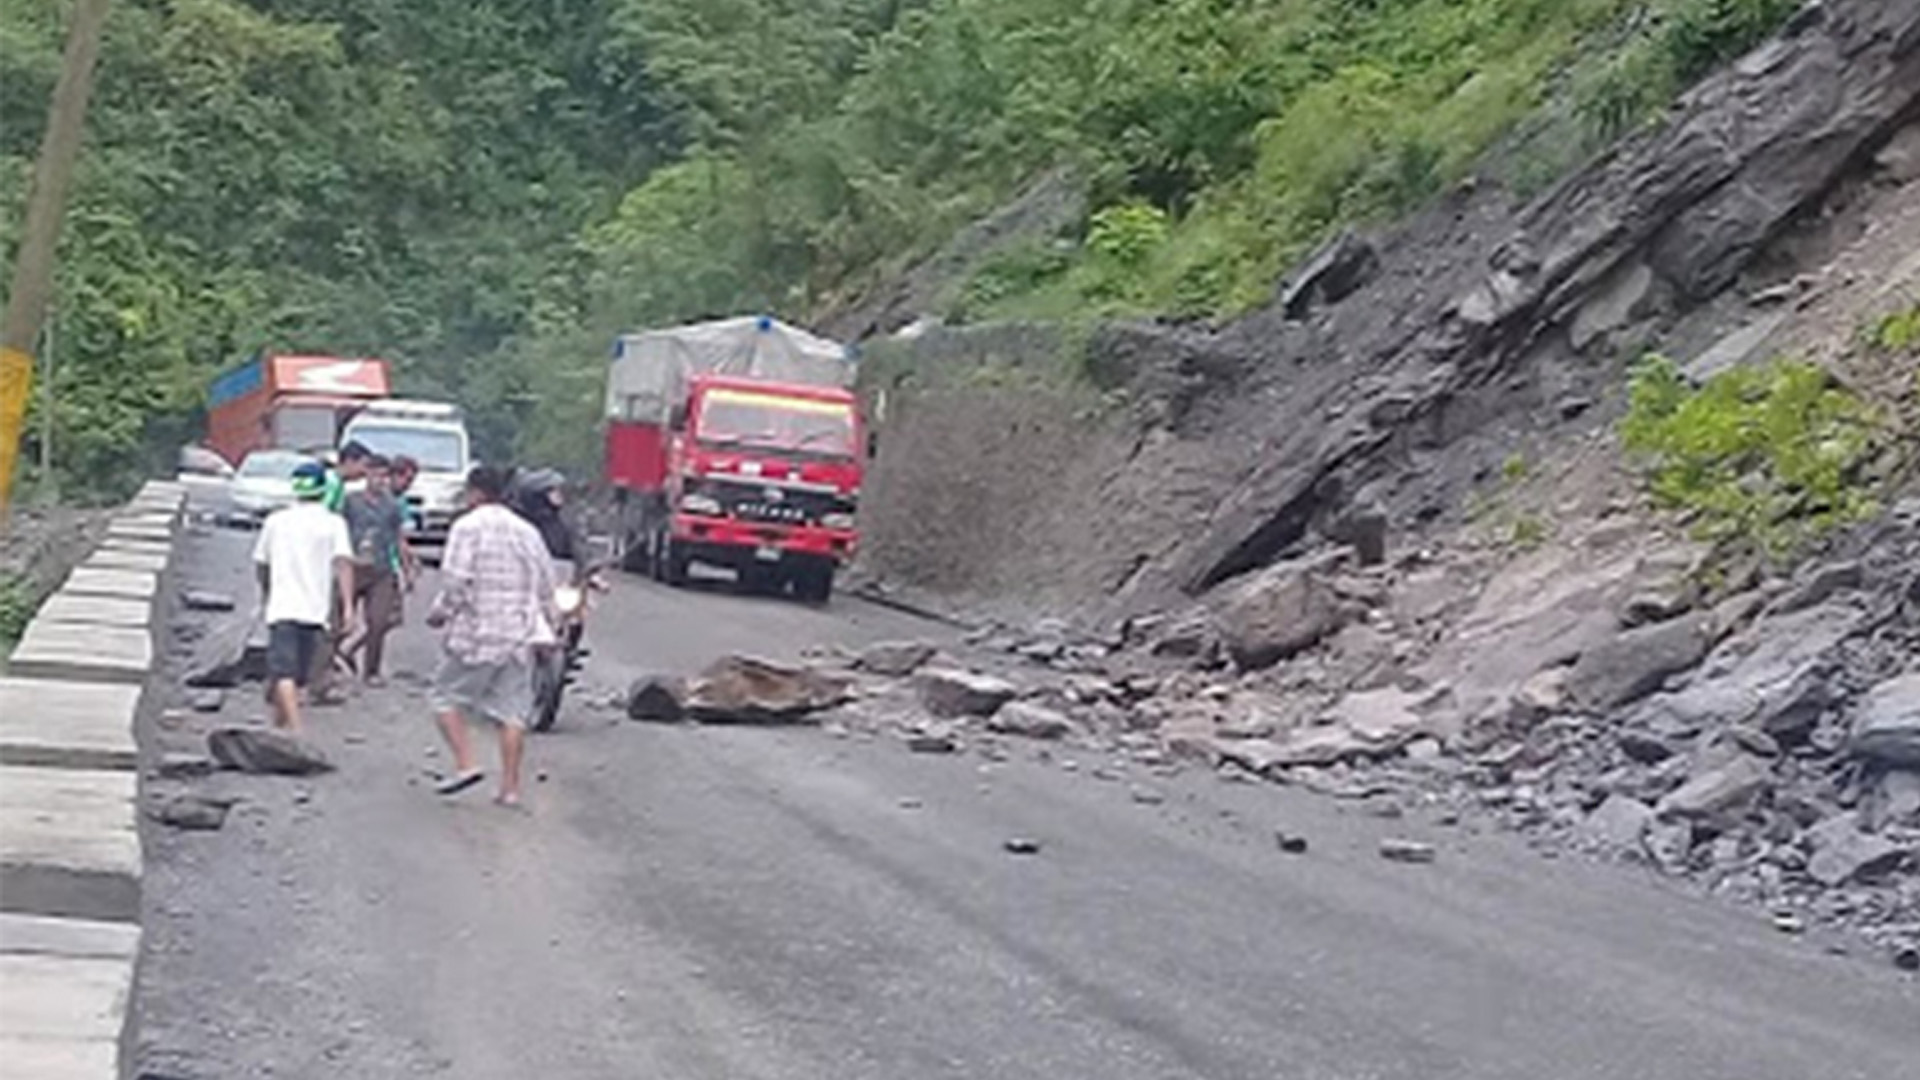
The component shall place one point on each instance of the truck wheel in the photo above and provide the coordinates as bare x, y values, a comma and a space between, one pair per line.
814, 584
634, 558
674, 561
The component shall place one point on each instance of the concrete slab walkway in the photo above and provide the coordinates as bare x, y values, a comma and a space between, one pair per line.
69, 843
66, 983
68, 725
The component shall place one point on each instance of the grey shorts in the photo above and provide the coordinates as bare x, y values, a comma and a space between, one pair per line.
501, 692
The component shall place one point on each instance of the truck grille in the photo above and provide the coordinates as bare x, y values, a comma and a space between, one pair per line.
774, 505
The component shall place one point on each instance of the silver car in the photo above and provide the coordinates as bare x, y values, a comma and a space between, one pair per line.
264, 484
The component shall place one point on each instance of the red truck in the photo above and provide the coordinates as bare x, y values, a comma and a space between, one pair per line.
736, 444
289, 402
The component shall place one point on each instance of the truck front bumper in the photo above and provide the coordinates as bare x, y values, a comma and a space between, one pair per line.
728, 542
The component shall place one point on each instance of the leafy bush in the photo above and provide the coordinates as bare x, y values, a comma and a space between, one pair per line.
1898, 332
1701, 34
16, 608
1771, 456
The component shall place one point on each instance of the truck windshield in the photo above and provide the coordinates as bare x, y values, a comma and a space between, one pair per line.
272, 464
742, 418
437, 451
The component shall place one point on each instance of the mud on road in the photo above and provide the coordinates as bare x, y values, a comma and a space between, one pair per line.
716, 902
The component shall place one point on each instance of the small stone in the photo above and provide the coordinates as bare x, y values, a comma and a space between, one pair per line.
660, 698
1788, 923
1907, 957
894, 659
1644, 747
260, 750
206, 600
207, 701
951, 692
932, 742
1290, 843
1383, 806
302, 796
1021, 845
190, 812
1407, 851
1146, 796
180, 765
1030, 720
910, 803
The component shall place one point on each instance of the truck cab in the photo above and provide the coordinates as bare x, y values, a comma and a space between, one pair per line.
765, 481
432, 433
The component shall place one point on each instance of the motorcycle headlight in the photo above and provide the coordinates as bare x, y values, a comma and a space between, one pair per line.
836, 521
694, 503
567, 599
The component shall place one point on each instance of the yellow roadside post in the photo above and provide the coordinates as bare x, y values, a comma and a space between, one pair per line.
46, 202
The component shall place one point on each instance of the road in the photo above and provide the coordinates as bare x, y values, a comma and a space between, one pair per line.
694, 903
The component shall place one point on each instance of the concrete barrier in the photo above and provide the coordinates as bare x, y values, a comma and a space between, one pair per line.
69, 843
126, 584
69, 650
70, 858
66, 607
64, 1013
68, 725
120, 559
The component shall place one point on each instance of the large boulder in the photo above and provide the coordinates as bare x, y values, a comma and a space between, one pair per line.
748, 690
660, 698
233, 651
1716, 792
1843, 853
1282, 611
955, 692
263, 750
1365, 725
1635, 663
1887, 727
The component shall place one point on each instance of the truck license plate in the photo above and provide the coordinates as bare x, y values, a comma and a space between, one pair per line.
767, 553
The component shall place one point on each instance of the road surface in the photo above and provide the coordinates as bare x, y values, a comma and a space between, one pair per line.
736, 904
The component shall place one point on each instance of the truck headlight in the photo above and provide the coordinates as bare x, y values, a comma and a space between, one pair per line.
836, 520
695, 503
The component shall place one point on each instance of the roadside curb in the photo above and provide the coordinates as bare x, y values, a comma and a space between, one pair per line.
70, 850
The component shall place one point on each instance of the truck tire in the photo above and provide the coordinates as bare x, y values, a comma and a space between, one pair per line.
674, 562
814, 584
634, 555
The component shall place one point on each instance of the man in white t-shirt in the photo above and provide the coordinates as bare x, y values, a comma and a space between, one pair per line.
304, 559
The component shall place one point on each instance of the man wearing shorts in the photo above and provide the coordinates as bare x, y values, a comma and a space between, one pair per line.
496, 606
305, 565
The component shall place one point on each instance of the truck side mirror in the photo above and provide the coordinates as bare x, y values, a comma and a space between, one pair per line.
677, 418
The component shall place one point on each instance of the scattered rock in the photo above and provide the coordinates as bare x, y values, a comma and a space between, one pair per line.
659, 698
953, 692
1291, 843
746, 690
933, 742
1635, 663
1788, 923
1820, 585
1407, 851
910, 803
894, 659
1619, 822
1887, 728
1644, 747
261, 750
1341, 267
1030, 720
1021, 845
1906, 957
1146, 796
1281, 611
1716, 791
206, 600
189, 812
182, 765
1843, 854
233, 651
209, 700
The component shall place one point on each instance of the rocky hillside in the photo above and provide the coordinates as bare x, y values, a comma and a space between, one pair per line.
1383, 538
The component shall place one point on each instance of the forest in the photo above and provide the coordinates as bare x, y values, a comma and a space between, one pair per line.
486, 191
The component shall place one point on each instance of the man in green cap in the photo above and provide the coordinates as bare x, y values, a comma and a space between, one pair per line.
304, 560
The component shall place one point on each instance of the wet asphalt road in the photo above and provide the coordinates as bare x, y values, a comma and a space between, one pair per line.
693, 903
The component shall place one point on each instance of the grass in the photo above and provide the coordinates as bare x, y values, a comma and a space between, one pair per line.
16, 608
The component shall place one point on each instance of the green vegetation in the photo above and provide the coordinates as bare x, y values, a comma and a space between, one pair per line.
1897, 332
16, 608
1771, 456
485, 191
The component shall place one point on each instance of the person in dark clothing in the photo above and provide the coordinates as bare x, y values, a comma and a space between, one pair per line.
540, 496
375, 520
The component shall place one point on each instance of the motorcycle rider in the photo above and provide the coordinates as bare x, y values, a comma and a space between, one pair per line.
540, 496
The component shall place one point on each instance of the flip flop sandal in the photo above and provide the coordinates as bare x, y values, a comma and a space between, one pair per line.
454, 785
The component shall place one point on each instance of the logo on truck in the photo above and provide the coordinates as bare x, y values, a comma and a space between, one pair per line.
335, 377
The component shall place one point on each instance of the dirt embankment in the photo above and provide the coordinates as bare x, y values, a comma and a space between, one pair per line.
1399, 372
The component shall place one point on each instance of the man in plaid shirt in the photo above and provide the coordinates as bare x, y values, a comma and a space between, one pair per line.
496, 606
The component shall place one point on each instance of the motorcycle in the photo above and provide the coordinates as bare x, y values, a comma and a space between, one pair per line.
556, 668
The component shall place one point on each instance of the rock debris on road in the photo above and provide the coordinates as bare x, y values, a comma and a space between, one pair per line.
696, 901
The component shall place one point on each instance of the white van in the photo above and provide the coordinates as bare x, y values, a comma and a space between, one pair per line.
432, 433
